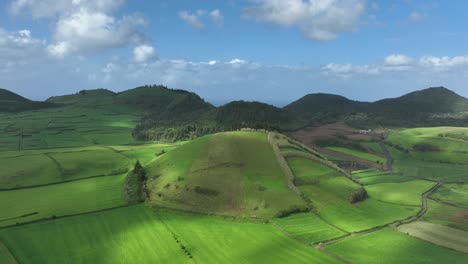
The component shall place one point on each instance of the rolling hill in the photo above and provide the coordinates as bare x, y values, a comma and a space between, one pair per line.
230, 173
11, 102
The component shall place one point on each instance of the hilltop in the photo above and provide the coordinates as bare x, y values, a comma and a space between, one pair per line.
174, 114
12, 102
230, 173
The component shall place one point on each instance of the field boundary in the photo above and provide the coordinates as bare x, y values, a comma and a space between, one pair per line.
46, 219
60, 182
393, 224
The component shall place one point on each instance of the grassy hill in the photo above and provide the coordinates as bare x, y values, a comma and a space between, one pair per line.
428, 107
11, 102
232, 173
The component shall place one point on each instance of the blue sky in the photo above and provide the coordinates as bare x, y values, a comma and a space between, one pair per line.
274, 51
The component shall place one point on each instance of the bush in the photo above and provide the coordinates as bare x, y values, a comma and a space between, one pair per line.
205, 191
425, 147
359, 195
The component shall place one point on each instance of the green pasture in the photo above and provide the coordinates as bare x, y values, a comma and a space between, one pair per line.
437, 234
308, 171
308, 227
404, 193
125, 235
449, 143
455, 194
409, 165
214, 240
386, 178
18, 206
359, 154
444, 214
390, 246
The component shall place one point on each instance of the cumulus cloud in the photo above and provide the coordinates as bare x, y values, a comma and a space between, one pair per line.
83, 26
143, 53
397, 60
317, 19
17, 47
194, 19
86, 31
47, 8
217, 17
443, 63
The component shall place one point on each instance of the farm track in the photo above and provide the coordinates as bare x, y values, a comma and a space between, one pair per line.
389, 162
393, 224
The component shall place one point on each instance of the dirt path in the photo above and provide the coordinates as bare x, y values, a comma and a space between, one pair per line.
389, 162
423, 205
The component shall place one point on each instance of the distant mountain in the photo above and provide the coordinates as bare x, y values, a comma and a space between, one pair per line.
252, 114
320, 102
431, 100
11, 102
172, 114
429, 107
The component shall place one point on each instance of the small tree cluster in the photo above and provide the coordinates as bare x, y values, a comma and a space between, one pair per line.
359, 195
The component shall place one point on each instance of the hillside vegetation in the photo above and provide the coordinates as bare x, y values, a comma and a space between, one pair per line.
231, 173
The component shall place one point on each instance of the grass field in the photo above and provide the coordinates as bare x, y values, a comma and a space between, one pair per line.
330, 196
69, 126
448, 143
134, 235
456, 194
448, 215
307, 171
61, 199
386, 178
438, 234
126, 235
5, 255
234, 173
390, 246
404, 193
308, 227
359, 154
213, 240
409, 165
375, 146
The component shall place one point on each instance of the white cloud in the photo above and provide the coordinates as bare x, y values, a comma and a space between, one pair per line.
348, 70
142, 53
397, 60
192, 19
84, 26
86, 31
17, 47
317, 19
237, 61
443, 63
218, 17
47, 8
415, 17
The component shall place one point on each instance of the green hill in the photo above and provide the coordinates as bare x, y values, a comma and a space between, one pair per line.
231, 173
11, 102
84, 97
429, 107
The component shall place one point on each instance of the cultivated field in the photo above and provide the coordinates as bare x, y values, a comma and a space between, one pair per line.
390, 246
